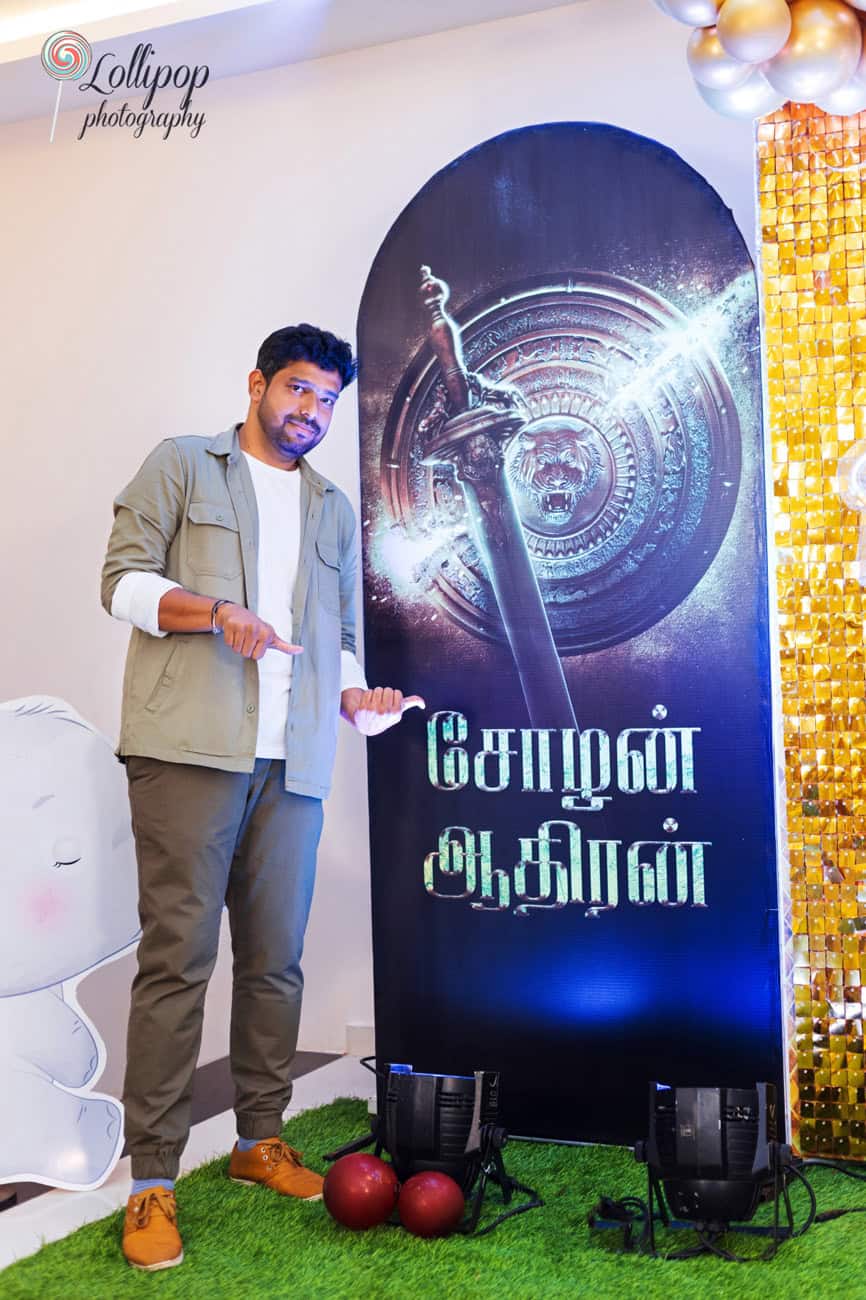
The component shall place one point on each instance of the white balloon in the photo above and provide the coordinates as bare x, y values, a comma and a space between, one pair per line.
695, 13
754, 98
846, 100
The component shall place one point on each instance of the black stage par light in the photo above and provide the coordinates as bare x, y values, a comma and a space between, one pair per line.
712, 1155
434, 1121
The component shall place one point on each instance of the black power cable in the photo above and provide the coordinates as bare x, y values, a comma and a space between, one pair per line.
813, 1204
826, 1215
632, 1212
627, 1214
859, 1175
836, 1166
492, 1140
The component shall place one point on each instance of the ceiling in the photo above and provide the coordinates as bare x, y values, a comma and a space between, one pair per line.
230, 36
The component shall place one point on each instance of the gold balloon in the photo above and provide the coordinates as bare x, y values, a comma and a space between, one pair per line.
754, 98
821, 53
695, 13
711, 65
754, 30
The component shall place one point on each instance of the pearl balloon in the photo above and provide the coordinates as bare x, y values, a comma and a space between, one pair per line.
711, 65
846, 100
754, 30
849, 98
821, 53
695, 13
858, 4
754, 98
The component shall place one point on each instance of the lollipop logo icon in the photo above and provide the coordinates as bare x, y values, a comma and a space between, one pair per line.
66, 56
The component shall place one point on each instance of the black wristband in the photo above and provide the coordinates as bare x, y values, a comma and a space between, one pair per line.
213, 609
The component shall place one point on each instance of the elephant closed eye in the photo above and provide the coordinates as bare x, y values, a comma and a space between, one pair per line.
67, 851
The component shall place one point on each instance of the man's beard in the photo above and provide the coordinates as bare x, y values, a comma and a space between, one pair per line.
284, 433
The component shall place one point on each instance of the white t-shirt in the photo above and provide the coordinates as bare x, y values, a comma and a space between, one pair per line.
278, 498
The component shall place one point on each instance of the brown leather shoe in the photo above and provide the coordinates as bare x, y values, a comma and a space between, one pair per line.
277, 1166
150, 1236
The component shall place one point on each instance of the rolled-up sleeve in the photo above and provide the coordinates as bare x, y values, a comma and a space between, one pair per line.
351, 672
147, 515
136, 600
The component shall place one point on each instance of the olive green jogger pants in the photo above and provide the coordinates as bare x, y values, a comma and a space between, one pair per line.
205, 838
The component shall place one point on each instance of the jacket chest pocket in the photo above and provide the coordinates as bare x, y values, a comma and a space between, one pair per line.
328, 575
213, 543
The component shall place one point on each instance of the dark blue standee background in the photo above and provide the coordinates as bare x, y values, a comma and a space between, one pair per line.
577, 1012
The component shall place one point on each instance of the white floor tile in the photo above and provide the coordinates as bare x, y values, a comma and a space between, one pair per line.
25, 1228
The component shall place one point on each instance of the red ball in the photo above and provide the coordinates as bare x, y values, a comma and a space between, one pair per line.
431, 1204
360, 1190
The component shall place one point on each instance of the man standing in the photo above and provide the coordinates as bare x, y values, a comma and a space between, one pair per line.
235, 562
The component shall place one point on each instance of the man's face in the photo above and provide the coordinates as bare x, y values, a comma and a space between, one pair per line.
295, 408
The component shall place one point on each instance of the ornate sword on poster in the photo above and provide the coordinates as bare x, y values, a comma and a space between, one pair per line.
574, 878
486, 418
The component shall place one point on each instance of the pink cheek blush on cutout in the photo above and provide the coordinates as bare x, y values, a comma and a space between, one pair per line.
45, 907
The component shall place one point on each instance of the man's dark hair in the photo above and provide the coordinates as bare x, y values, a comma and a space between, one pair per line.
306, 343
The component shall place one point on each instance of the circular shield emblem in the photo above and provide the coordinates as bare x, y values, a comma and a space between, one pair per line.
624, 473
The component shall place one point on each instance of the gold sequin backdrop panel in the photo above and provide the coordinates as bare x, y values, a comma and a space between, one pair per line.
812, 256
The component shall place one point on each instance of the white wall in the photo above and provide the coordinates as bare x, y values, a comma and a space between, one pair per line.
139, 276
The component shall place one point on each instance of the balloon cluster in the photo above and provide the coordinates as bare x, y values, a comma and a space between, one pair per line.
749, 56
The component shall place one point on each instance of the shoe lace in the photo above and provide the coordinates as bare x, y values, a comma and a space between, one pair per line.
154, 1196
279, 1151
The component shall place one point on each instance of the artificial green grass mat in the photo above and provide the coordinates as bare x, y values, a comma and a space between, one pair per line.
246, 1242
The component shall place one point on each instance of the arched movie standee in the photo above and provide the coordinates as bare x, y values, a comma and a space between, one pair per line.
574, 876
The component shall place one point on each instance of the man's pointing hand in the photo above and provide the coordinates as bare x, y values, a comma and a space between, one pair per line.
248, 635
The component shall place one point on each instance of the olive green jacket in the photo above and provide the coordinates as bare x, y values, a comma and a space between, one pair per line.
190, 515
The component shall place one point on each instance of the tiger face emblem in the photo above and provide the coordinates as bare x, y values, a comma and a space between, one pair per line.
561, 473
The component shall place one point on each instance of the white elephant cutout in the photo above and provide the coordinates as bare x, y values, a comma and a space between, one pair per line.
68, 903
